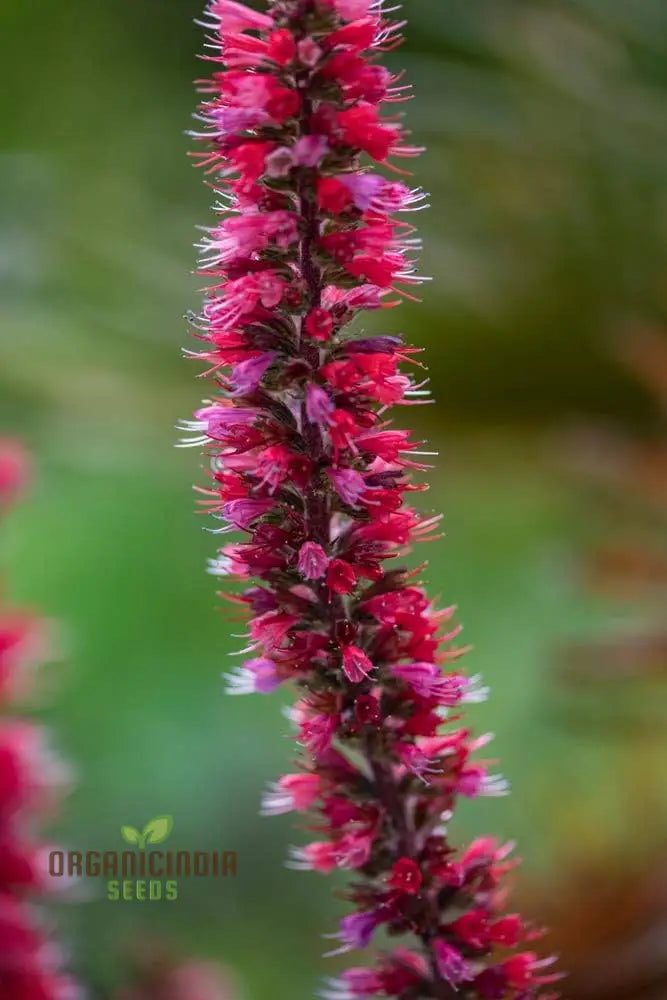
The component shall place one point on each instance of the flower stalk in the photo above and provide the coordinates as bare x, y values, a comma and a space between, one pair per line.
305, 464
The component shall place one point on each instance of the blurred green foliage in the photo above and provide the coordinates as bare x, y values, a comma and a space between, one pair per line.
547, 154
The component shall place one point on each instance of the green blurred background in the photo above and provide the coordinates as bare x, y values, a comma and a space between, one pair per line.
547, 154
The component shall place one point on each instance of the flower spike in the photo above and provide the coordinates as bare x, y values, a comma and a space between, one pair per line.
306, 468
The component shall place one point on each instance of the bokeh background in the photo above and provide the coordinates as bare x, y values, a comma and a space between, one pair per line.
545, 330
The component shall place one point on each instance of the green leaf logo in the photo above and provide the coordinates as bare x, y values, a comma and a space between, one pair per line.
156, 831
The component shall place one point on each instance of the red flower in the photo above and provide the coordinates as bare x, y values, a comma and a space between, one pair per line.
406, 876
361, 128
341, 578
319, 324
367, 710
357, 35
281, 47
332, 195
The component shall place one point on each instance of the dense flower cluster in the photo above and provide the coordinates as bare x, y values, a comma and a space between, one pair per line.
307, 467
29, 777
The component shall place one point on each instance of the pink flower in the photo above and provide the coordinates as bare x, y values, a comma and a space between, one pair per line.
523, 971
317, 733
313, 561
356, 664
349, 484
310, 149
291, 792
309, 52
24, 644
427, 680
242, 513
273, 465
474, 780
353, 984
270, 630
258, 675
225, 424
370, 192
15, 471
279, 162
353, 850
349, 10
244, 235
415, 759
356, 930
234, 17
319, 856
451, 964
318, 406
